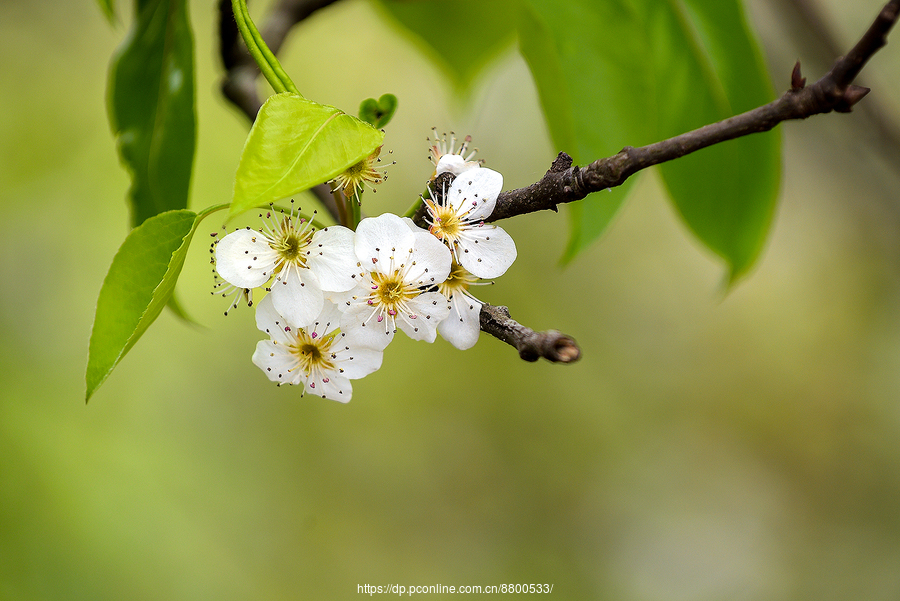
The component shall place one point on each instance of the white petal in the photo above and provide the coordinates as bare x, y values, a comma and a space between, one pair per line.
431, 261
486, 251
244, 258
372, 334
359, 361
271, 322
299, 301
333, 259
277, 362
412, 226
337, 388
463, 325
376, 237
475, 192
454, 163
430, 308
327, 321
341, 298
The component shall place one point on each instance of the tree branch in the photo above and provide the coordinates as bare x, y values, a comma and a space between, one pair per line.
834, 92
565, 182
552, 345
819, 41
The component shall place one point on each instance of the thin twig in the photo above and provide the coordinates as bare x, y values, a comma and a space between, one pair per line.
552, 345
565, 182
808, 15
835, 91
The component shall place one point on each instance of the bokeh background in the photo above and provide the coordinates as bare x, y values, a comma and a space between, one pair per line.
707, 446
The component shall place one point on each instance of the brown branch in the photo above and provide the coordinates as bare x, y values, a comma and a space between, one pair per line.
565, 182
834, 92
807, 15
551, 345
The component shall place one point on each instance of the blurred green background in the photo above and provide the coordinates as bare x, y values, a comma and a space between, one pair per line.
707, 446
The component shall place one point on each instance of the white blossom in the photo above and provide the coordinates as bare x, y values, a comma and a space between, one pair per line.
483, 249
396, 268
449, 159
301, 262
318, 357
463, 326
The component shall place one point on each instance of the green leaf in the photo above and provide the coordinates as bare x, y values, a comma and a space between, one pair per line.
151, 107
295, 144
592, 84
460, 36
140, 282
109, 9
631, 72
378, 113
726, 193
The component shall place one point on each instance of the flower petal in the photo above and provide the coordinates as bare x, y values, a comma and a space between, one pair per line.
332, 258
431, 261
337, 388
299, 301
463, 325
454, 163
244, 258
359, 361
277, 362
474, 193
429, 308
328, 320
376, 239
374, 334
486, 251
272, 322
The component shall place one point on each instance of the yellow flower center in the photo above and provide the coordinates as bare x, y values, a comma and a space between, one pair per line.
312, 353
446, 225
391, 292
459, 280
359, 174
289, 243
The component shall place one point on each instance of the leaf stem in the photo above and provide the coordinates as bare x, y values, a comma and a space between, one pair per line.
418, 206
268, 64
341, 205
210, 210
355, 202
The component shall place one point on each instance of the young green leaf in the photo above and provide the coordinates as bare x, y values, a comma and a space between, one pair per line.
151, 107
378, 113
140, 282
295, 144
646, 70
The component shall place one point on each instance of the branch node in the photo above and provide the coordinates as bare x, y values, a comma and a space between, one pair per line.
798, 82
562, 162
851, 96
552, 345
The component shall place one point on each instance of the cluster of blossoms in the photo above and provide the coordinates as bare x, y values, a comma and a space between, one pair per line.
336, 297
